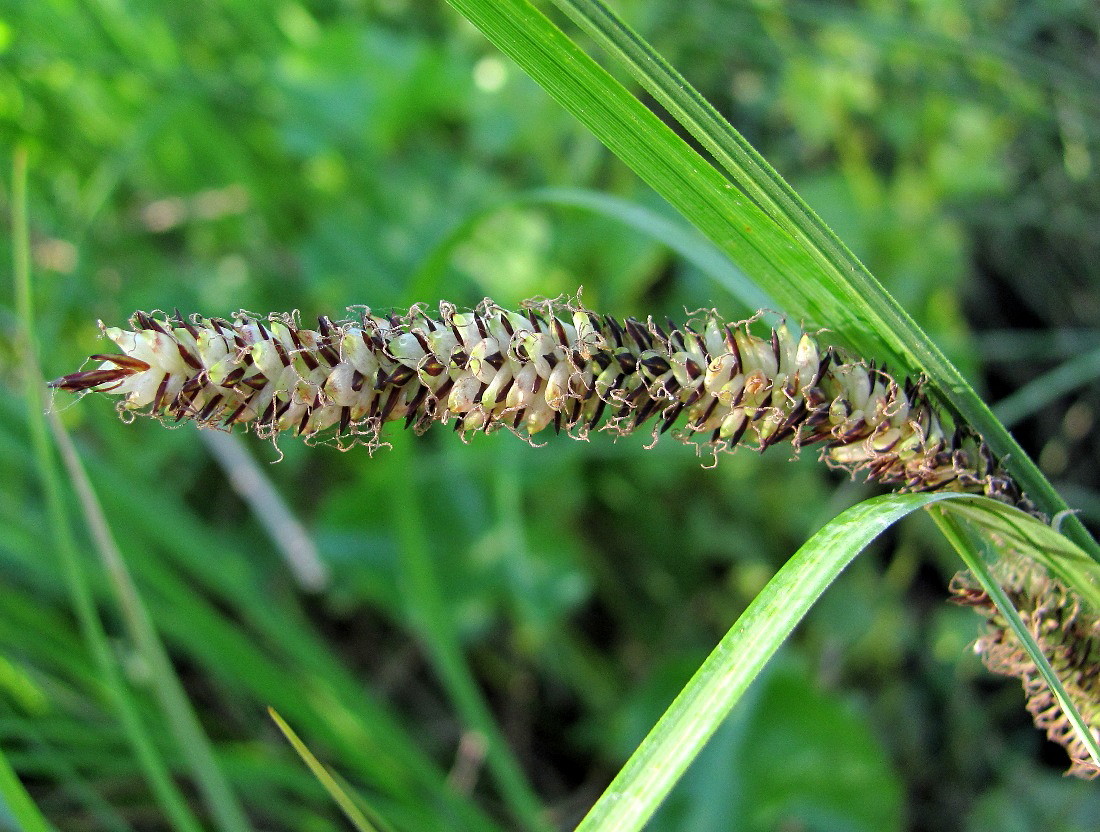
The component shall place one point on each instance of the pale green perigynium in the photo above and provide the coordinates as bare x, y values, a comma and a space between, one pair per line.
552, 363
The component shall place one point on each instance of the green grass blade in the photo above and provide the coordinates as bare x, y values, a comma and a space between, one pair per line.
181, 717
18, 802
338, 793
76, 578
1017, 531
969, 546
286, 533
759, 180
706, 700
780, 243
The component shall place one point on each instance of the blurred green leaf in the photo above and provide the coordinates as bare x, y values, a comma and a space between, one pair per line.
840, 778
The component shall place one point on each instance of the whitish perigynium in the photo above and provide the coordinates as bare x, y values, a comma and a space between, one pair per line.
551, 364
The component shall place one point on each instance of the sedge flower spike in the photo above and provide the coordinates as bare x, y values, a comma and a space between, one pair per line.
1068, 633
552, 363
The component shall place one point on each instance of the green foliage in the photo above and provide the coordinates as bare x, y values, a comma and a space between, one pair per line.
315, 155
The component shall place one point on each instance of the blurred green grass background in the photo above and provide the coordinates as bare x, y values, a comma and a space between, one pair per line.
223, 155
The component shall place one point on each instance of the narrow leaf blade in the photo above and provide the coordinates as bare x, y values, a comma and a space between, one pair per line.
707, 699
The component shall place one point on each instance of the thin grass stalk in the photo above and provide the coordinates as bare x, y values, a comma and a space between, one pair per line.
283, 529
325, 777
77, 582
